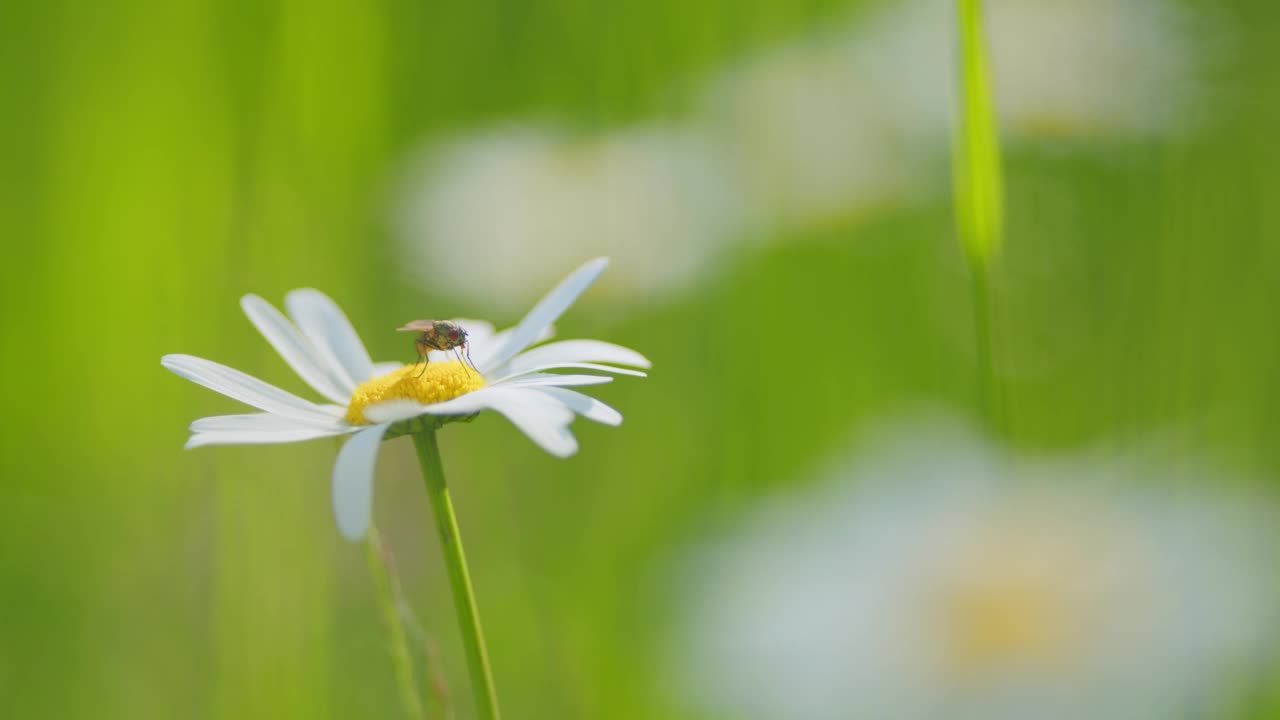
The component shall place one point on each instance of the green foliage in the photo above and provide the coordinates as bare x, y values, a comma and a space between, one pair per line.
162, 159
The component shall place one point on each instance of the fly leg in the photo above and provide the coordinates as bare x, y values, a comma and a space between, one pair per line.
423, 351
458, 354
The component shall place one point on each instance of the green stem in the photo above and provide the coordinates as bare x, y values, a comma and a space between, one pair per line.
976, 174
978, 189
464, 598
988, 388
439, 691
376, 556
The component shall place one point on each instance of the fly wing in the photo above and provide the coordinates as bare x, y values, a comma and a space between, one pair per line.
417, 326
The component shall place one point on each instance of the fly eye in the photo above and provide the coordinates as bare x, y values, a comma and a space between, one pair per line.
453, 333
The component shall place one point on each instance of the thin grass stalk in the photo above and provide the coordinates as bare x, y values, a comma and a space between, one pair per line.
978, 194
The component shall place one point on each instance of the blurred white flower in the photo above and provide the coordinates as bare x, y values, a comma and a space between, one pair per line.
1062, 67
808, 134
859, 115
1091, 67
940, 576
505, 209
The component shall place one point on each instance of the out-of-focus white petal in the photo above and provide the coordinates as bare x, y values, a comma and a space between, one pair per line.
259, 437
575, 351
330, 332
294, 348
353, 481
570, 365
585, 405
263, 421
239, 386
548, 310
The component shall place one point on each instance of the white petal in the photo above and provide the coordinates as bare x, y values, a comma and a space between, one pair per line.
482, 353
392, 411
404, 409
383, 368
353, 481
295, 349
544, 419
239, 386
541, 379
540, 416
548, 310
585, 405
263, 421
336, 411
258, 437
330, 332
576, 351
577, 366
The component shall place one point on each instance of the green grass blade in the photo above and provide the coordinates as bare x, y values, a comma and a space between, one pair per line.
977, 184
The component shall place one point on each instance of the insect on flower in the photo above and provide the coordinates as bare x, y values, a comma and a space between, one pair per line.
439, 335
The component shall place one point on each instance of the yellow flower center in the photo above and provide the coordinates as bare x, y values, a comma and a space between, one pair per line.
1026, 593
431, 383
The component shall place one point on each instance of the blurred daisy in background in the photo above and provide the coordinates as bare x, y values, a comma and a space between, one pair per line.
505, 209
815, 131
938, 575
1062, 68
808, 135
858, 115
1093, 67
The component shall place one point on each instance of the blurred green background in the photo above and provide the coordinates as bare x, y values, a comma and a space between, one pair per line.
162, 159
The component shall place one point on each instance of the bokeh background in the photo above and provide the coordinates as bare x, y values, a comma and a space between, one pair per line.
771, 179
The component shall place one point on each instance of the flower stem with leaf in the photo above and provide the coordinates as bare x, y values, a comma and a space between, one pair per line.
464, 598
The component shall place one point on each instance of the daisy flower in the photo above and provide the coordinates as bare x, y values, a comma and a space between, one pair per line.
373, 401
